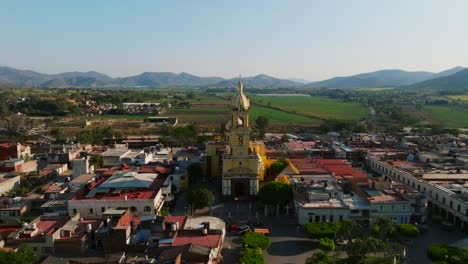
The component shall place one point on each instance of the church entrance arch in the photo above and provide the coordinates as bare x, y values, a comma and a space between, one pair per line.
239, 189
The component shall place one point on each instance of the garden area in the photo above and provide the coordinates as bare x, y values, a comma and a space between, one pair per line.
349, 242
254, 244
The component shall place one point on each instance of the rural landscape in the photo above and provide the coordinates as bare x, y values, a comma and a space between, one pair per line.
233, 132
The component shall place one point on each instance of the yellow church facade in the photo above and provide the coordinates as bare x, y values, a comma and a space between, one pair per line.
243, 162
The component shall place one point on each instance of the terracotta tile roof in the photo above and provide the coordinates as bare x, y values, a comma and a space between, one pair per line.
196, 237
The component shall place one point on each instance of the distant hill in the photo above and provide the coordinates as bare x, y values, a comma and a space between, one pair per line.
167, 79
260, 81
458, 80
24, 78
383, 78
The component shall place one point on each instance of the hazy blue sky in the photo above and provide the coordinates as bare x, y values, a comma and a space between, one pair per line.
303, 39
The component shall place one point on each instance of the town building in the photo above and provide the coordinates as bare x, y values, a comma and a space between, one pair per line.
143, 193
446, 190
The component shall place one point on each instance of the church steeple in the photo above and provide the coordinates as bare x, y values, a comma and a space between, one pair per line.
240, 102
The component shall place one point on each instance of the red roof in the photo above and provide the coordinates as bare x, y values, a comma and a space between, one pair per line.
6, 230
50, 226
196, 237
7, 150
173, 219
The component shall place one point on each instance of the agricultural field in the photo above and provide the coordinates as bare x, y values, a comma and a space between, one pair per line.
316, 106
459, 97
276, 116
448, 116
376, 89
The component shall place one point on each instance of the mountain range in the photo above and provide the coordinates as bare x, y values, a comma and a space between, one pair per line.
383, 78
458, 80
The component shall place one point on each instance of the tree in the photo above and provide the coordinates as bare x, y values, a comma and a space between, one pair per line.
321, 257
326, 244
346, 228
359, 248
384, 228
24, 255
59, 134
96, 160
408, 230
319, 230
252, 256
262, 124
275, 193
256, 240
277, 166
200, 197
15, 126
195, 172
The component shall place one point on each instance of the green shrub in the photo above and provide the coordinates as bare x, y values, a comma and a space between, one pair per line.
252, 256
437, 251
256, 240
319, 230
408, 230
326, 244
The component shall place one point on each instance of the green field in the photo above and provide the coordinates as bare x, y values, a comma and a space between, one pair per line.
276, 116
316, 106
448, 116
461, 97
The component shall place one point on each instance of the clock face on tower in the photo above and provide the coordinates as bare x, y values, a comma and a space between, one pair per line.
241, 140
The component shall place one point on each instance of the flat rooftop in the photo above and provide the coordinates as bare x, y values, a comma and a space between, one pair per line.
384, 196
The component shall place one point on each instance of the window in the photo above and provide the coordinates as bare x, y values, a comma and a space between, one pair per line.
317, 218
103, 209
354, 211
133, 209
147, 209
91, 210
404, 207
310, 219
12, 213
458, 208
331, 218
393, 208
182, 178
437, 196
443, 200
340, 218
75, 211
324, 218
381, 208
451, 204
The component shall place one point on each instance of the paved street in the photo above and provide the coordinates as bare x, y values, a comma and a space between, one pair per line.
289, 243
435, 234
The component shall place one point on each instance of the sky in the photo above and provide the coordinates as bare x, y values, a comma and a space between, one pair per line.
308, 39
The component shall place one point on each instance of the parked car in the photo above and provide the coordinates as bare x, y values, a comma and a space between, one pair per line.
233, 228
243, 229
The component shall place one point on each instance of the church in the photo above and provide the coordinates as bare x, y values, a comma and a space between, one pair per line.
243, 161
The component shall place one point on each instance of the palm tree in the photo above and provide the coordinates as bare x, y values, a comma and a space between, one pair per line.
363, 246
347, 227
385, 226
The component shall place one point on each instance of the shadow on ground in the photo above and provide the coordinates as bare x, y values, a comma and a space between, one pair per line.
290, 247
